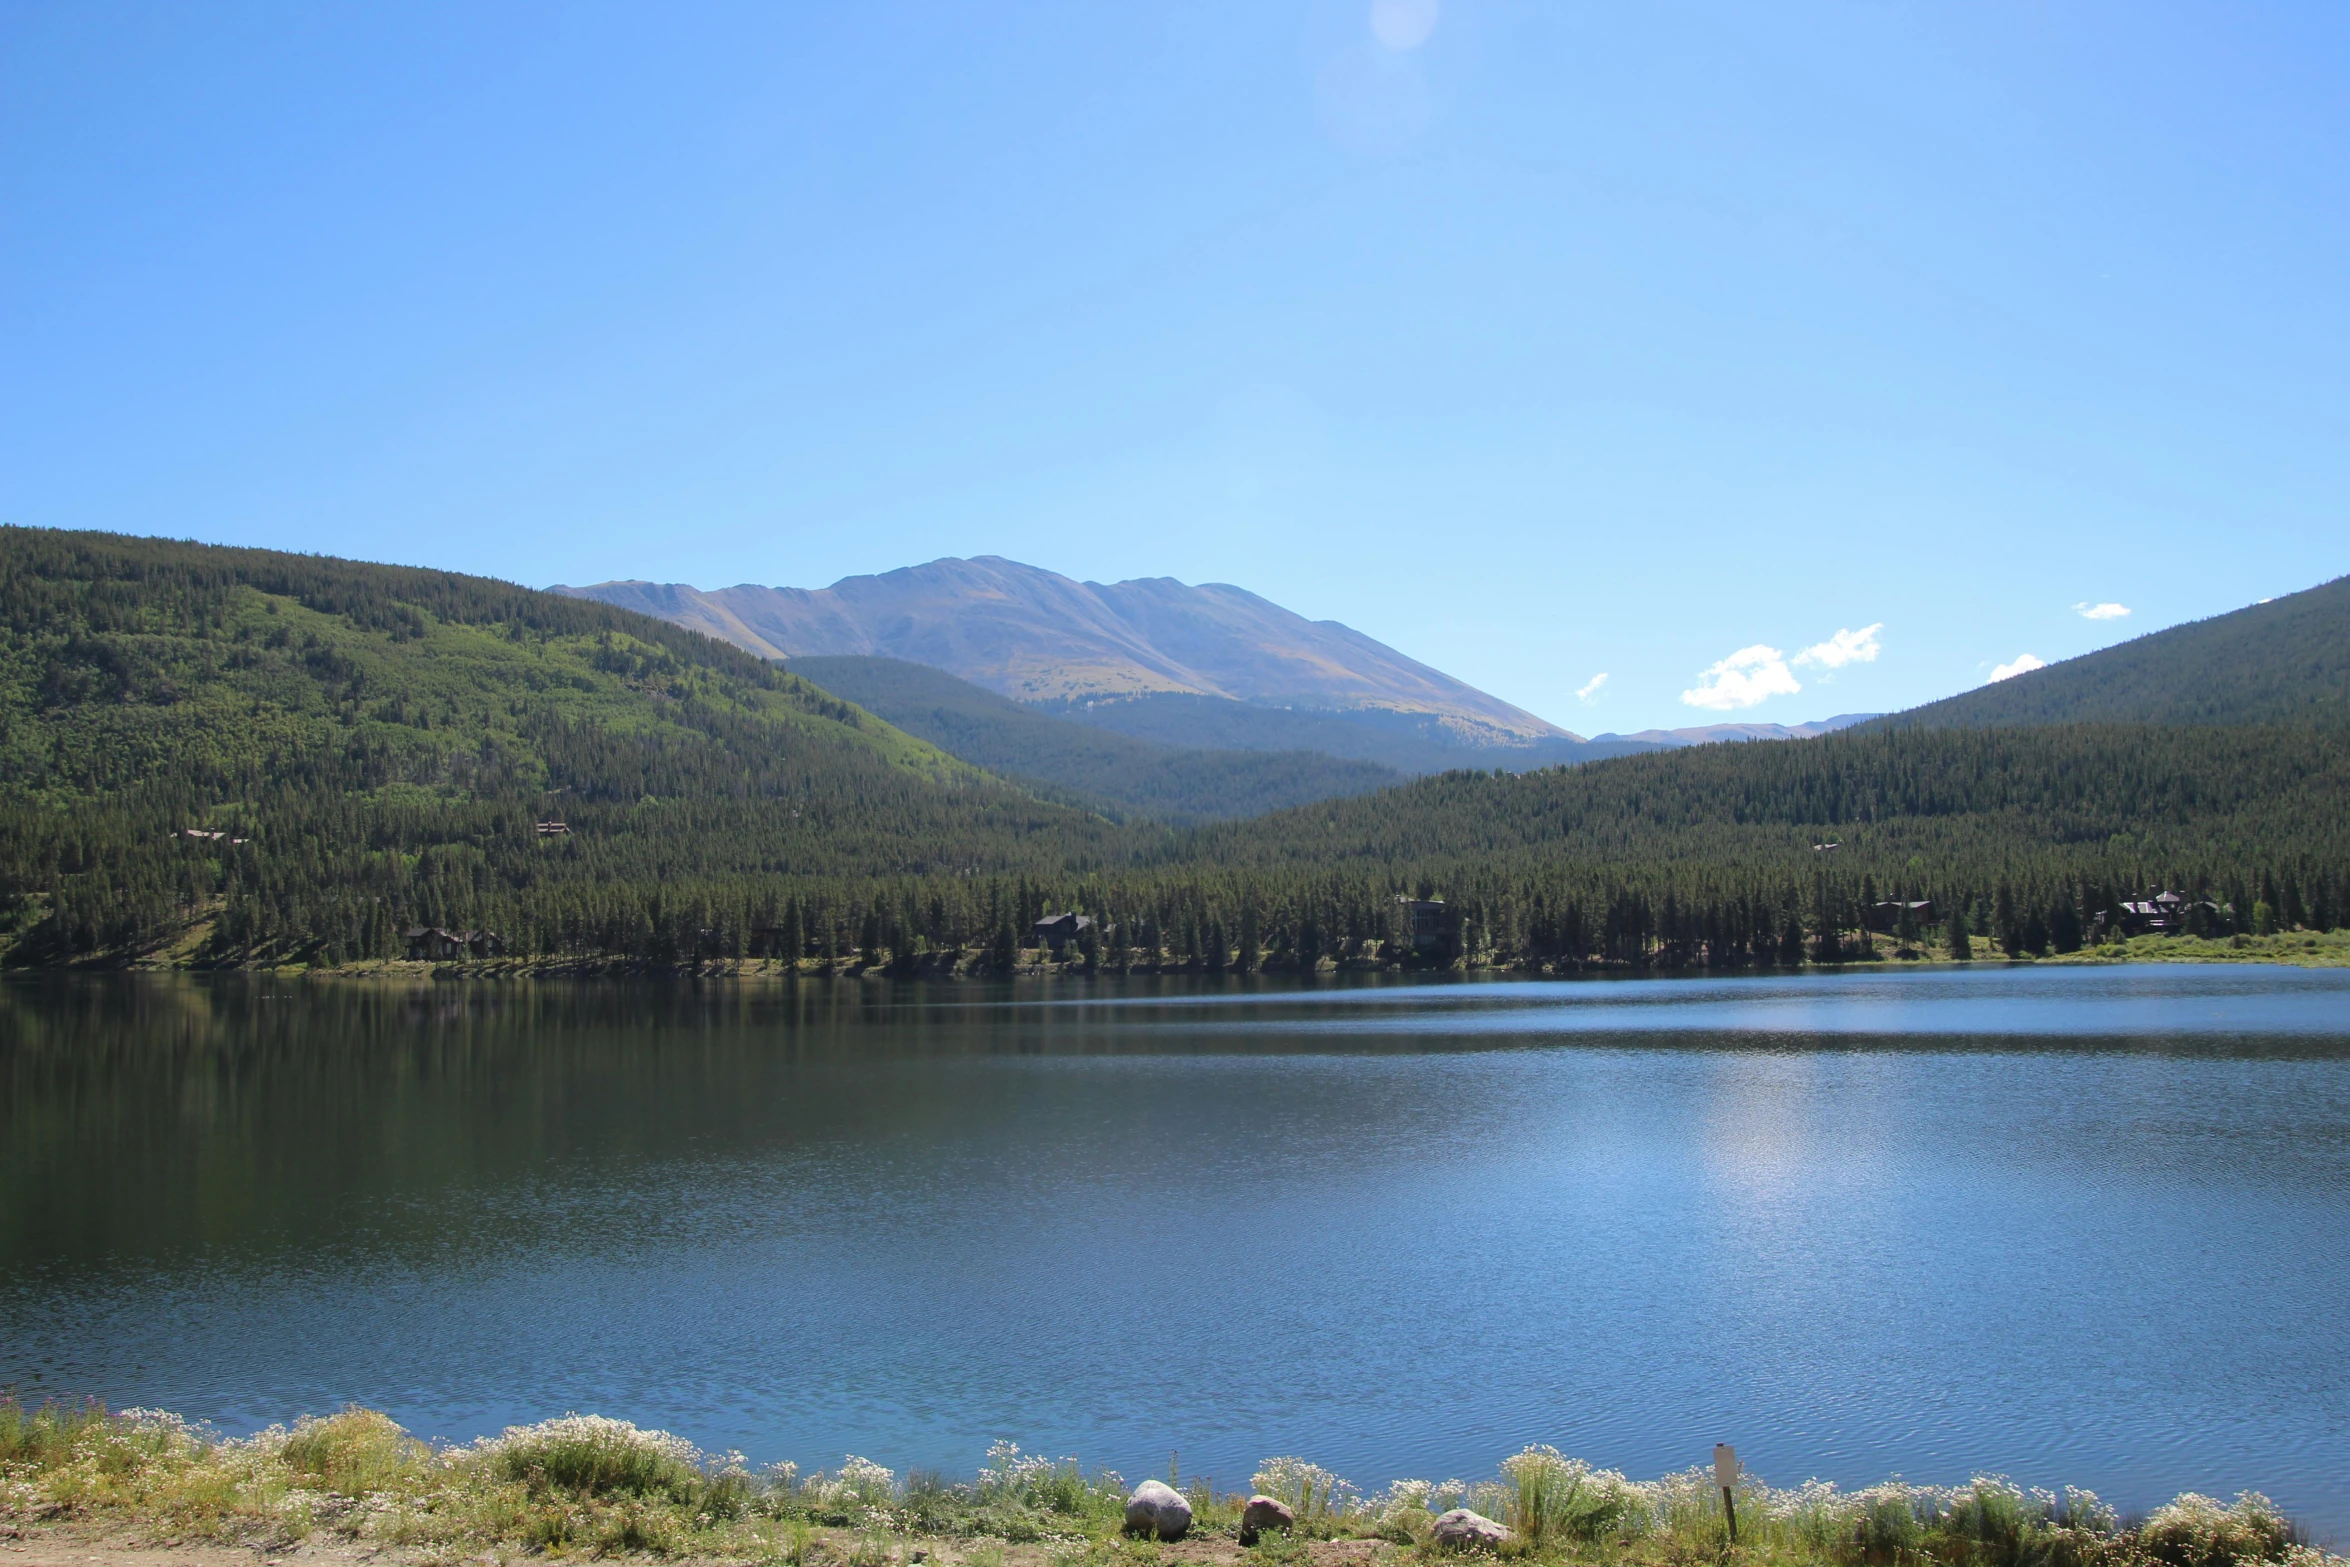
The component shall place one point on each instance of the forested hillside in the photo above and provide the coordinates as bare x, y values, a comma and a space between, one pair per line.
1408, 743
1095, 768
2283, 662
376, 745
235, 756
1718, 853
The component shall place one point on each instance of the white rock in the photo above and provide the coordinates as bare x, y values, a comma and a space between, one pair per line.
1157, 1508
1463, 1530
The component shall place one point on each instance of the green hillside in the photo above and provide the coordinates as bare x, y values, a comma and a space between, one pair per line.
1958, 796
1410, 743
2283, 662
1091, 767
384, 740
374, 747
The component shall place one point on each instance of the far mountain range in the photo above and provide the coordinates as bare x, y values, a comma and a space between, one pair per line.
1186, 703
1212, 667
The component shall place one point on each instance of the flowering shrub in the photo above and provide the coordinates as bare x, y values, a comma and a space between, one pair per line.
2196, 1531
587, 1483
1034, 1481
592, 1456
1556, 1497
353, 1453
1315, 1495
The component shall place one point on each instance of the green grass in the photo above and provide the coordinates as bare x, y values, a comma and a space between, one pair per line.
2298, 948
584, 1485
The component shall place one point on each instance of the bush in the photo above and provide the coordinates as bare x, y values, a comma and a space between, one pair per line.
44, 1438
355, 1452
589, 1456
1553, 1497
2196, 1531
1312, 1493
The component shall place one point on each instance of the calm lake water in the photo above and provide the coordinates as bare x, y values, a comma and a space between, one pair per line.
2074, 1225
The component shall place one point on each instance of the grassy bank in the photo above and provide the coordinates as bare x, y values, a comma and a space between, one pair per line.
2292, 948
590, 1486
2298, 948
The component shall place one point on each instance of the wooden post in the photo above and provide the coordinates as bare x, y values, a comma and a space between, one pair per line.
1726, 1476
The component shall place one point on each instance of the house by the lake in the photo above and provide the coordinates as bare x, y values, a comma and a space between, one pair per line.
1058, 930
433, 944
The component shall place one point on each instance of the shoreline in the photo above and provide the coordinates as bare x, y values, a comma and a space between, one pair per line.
2288, 949
145, 1486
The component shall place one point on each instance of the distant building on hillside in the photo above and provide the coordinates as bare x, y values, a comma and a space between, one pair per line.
1427, 921
2164, 914
430, 942
1058, 930
1886, 917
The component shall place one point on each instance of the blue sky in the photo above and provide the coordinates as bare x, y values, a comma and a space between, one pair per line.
1539, 340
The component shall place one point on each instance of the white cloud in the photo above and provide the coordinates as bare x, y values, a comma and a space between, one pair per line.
2022, 664
1845, 647
1592, 690
1750, 675
2101, 611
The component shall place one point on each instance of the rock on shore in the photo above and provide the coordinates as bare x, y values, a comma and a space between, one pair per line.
1157, 1508
1463, 1530
1263, 1513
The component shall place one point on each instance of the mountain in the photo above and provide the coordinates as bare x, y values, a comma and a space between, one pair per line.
1091, 766
298, 755
2285, 661
1714, 734
1037, 636
241, 757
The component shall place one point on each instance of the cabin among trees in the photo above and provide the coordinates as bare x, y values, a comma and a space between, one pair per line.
431, 943
2166, 914
1058, 930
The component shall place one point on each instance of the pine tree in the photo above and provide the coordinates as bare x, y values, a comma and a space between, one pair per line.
2006, 929
1791, 942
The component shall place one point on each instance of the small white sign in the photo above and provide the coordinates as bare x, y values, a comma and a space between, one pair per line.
1725, 1465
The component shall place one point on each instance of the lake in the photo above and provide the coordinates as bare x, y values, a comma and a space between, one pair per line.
2075, 1225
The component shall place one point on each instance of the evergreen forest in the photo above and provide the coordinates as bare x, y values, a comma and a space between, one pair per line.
230, 757
1099, 769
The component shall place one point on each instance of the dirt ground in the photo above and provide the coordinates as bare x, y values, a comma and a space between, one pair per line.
75, 1547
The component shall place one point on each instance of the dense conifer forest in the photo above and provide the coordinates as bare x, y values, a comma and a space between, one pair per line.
2283, 661
217, 756
1098, 769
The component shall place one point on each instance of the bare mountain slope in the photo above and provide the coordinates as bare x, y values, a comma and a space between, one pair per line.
1037, 636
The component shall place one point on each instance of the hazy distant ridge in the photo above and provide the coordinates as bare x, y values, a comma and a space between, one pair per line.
1037, 636
1710, 734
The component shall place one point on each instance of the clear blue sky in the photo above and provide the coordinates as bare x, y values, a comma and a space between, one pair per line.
1540, 340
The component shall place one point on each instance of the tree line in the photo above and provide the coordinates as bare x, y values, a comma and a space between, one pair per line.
239, 756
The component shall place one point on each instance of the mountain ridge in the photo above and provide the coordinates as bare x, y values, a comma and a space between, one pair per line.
213, 756
2284, 660
1037, 636
1714, 734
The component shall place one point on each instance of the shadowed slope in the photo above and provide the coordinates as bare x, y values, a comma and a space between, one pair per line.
1170, 783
